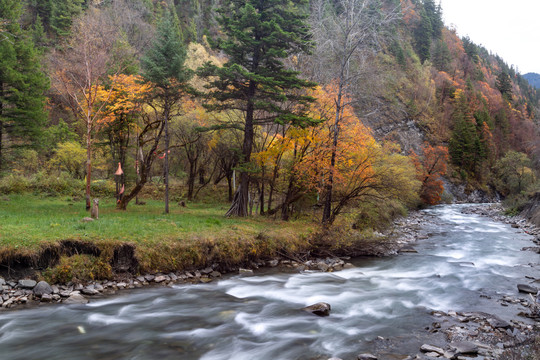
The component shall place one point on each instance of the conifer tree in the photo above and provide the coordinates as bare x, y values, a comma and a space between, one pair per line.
62, 14
163, 66
504, 84
22, 82
260, 35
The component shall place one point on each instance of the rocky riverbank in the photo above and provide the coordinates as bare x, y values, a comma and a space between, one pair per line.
17, 293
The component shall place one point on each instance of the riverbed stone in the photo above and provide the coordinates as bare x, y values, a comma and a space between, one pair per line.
149, 277
245, 271
46, 298
160, 278
76, 298
426, 348
215, 274
273, 263
319, 309
465, 347
89, 291
2, 281
206, 271
27, 284
366, 356
528, 289
42, 288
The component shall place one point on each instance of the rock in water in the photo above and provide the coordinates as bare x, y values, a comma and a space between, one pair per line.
76, 299
465, 347
320, 309
524, 288
367, 357
42, 288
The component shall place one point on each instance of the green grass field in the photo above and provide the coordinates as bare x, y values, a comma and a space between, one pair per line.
188, 236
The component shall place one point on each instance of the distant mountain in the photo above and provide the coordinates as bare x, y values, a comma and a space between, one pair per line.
533, 79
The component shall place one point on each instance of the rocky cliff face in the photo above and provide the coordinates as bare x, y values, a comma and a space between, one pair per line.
532, 210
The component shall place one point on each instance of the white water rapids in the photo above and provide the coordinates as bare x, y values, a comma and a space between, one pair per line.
259, 317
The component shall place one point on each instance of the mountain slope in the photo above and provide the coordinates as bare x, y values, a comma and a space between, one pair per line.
533, 79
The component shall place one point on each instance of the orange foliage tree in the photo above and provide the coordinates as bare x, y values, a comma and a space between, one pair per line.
430, 168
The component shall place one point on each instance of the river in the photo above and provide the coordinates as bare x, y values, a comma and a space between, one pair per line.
466, 260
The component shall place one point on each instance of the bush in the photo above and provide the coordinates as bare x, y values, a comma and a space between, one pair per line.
14, 184
60, 184
378, 216
78, 268
103, 188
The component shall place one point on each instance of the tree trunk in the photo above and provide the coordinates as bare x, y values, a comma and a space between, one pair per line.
1, 143
166, 165
229, 183
261, 198
239, 206
329, 187
191, 178
88, 163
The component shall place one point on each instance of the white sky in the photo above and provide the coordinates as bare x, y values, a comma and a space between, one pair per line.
509, 28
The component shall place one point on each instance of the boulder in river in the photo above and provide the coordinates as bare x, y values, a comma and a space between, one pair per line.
76, 298
465, 347
528, 289
42, 288
320, 309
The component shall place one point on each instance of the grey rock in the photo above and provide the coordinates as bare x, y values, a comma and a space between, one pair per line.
141, 279
408, 249
46, 298
348, 266
78, 287
335, 358
465, 347
245, 271
27, 284
55, 289
149, 277
173, 276
366, 356
433, 354
430, 348
320, 309
323, 266
159, 279
273, 263
215, 274
524, 288
206, 271
65, 293
87, 219
76, 298
197, 274
2, 281
42, 288
121, 285
89, 291
499, 324
98, 287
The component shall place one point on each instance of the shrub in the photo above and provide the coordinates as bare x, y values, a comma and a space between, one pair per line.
14, 184
78, 268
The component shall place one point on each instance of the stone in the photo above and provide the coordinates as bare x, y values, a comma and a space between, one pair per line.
366, 356
141, 279
319, 309
87, 219
46, 298
245, 271
273, 263
76, 298
348, 266
98, 287
499, 324
215, 274
335, 358
149, 277
90, 290
159, 279
205, 279
323, 266
65, 293
2, 281
173, 276
206, 271
433, 354
55, 289
27, 284
408, 249
42, 288
430, 348
465, 347
524, 288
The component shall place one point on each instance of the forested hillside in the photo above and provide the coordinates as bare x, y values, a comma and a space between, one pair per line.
281, 107
533, 79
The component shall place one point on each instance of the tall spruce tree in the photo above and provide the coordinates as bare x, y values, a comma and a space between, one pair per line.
260, 34
163, 65
22, 82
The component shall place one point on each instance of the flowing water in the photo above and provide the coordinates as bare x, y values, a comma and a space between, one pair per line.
258, 317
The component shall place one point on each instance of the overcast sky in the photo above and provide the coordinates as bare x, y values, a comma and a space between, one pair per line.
510, 28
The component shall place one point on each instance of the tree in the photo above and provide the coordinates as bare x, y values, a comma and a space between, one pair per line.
163, 66
514, 173
62, 13
254, 81
348, 33
81, 69
22, 82
504, 84
430, 168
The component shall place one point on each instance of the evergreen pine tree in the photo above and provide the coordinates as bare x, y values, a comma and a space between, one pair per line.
260, 35
464, 141
504, 84
22, 82
62, 14
163, 65
423, 34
